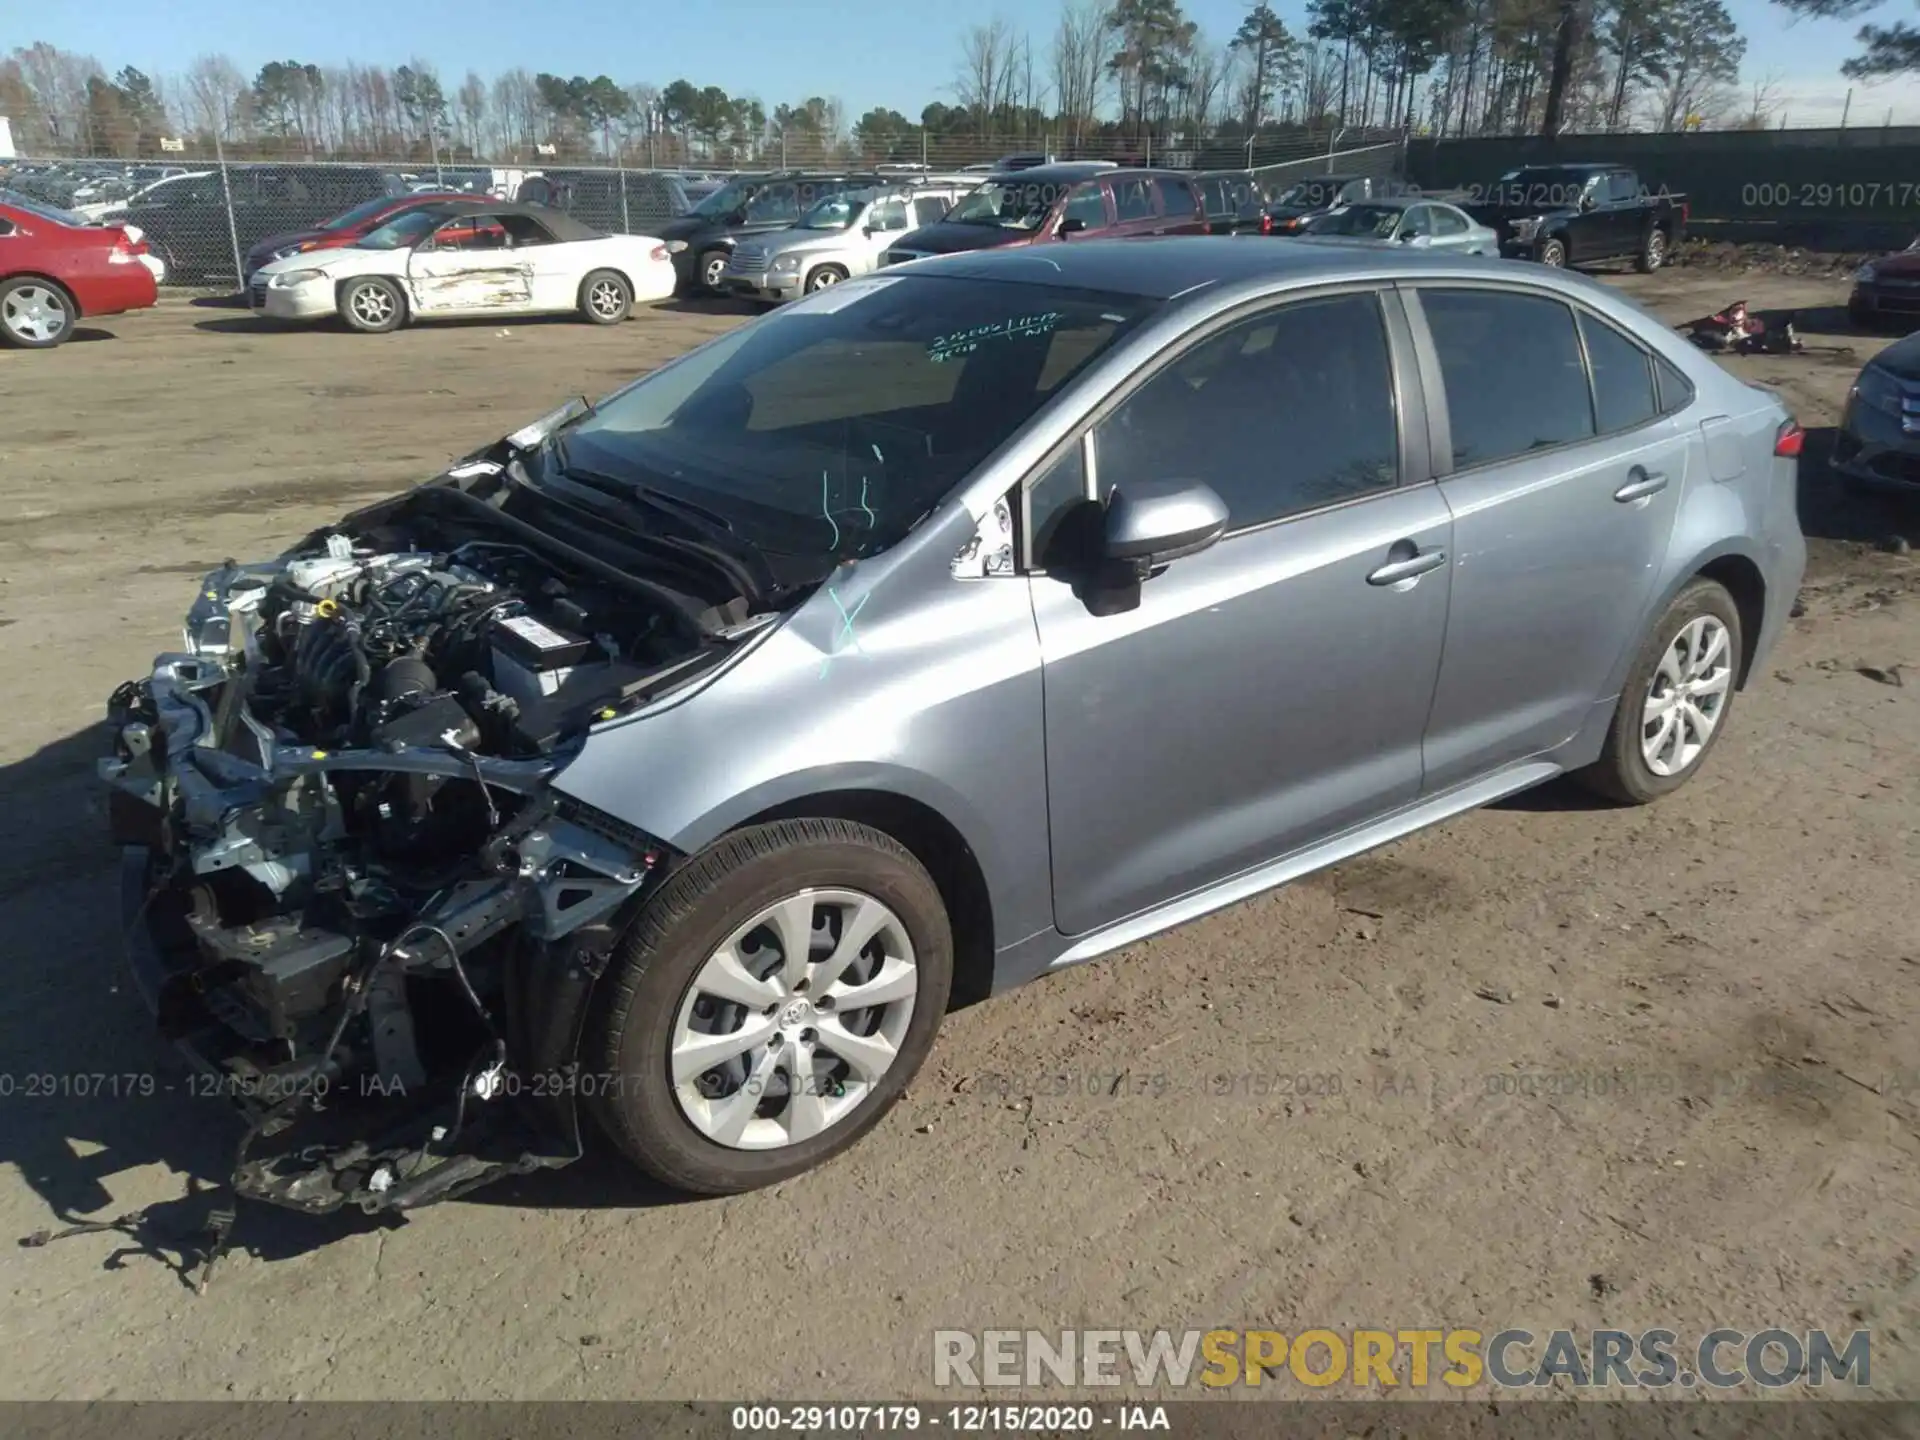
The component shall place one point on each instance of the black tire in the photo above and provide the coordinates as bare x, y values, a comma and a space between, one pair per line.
605, 298
35, 304
1653, 251
1553, 254
372, 304
660, 954
707, 273
1622, 773
823, 276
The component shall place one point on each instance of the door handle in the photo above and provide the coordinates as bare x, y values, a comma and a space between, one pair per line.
1409, 568
1649, 483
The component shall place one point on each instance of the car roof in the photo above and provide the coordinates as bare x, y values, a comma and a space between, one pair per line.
1060, 170
1170, 266
563, 225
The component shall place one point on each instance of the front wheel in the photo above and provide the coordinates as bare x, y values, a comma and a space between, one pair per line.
1675, 701
372, 304
1653, 251
713, 265
770, 1004
605, 297
35, 314
824, 276
1553, 254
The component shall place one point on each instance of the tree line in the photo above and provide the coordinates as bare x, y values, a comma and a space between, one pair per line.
1110, 72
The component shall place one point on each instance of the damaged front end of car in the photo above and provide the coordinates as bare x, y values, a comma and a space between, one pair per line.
352, 897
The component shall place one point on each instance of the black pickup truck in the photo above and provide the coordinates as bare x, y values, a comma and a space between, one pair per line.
1579, 215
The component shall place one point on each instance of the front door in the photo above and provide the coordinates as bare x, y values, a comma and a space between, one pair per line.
469, 264
1271, 691
1563, 492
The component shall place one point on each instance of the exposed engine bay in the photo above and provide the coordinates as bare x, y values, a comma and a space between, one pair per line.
353, 899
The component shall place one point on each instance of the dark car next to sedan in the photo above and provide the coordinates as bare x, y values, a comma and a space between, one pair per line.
1234, 201
1060, 202
1297, 206
702, 240
1878, 445
1887, 291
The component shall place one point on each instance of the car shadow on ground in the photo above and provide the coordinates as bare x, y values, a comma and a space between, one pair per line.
87, 332
235, 300
95, 1102
709, 305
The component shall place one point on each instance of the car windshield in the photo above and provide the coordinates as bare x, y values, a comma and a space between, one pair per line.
836, 212
727, 199
831, 427
42, 209
1378, 221
1009, 204
354, 216
401, 231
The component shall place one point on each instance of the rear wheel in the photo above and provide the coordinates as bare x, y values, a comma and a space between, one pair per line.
372, 304
605, 297
1674, 704
770, 1004
1653, 251
35, 314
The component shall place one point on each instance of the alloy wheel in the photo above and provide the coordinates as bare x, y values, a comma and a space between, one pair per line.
791, 1023
1686, 696
605, 298
372, 305
36, 313
716, 267
824, 279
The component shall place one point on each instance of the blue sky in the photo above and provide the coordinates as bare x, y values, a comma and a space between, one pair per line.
780, 50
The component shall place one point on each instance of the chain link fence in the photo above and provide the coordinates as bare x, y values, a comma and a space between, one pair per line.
214, 219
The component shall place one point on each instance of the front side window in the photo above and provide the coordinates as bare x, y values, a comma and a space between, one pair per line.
1288, 411
1087, 205
832, 426
471, 232
889, 215
1515, 378
1373, 222
523, 231
774, 203
928, 209
402, 231
1132, 200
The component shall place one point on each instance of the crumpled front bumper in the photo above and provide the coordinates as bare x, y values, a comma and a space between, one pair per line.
547, 888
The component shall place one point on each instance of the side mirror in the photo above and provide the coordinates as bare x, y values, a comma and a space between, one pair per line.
1150, 525
1587, 200
868, 230
1072, 225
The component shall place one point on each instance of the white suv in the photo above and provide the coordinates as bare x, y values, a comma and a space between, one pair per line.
840, 237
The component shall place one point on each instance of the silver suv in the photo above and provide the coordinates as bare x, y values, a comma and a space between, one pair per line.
840, 237
680, 758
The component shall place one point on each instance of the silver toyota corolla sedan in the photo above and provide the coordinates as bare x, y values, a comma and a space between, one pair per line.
675, 763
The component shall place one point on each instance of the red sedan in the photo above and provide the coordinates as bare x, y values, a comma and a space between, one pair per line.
56, 267
343, 229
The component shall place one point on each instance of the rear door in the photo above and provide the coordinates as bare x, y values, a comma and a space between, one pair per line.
1452, 231
1563, 477
1179, 206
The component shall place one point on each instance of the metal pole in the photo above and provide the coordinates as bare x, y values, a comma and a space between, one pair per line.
626, 220
783, 147
433, 142
923, 146
1846, 108
226, 190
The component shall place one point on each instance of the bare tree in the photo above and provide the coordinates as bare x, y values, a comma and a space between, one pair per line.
471, 101
215, 90
988, 64
1763, 104
1077, 60
517, 110
1702, 64
57, 80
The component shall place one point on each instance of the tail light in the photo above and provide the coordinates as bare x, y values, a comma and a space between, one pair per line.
1789, 439
126, 252
1266, 224
659, 255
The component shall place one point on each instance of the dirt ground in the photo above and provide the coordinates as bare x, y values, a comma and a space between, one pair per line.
1360, 1101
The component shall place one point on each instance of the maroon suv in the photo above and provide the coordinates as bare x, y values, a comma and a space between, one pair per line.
1059, 202
1887, 291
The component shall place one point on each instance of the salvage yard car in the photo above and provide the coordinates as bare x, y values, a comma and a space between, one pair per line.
840, 237
1075, 200
1423, 224
1877, 445
668, 766
1580, 215
1886, 291
345, 228
57, 268
465, 258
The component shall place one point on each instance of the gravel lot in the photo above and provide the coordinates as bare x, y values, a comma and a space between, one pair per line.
1746, 955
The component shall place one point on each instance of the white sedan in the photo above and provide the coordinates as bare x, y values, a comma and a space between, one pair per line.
467, 258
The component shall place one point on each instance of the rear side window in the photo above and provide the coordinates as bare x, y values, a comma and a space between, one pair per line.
928, 209
1447, 221
1676, 391
1288, 411
1623, 391
1515, 378
1176, 200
